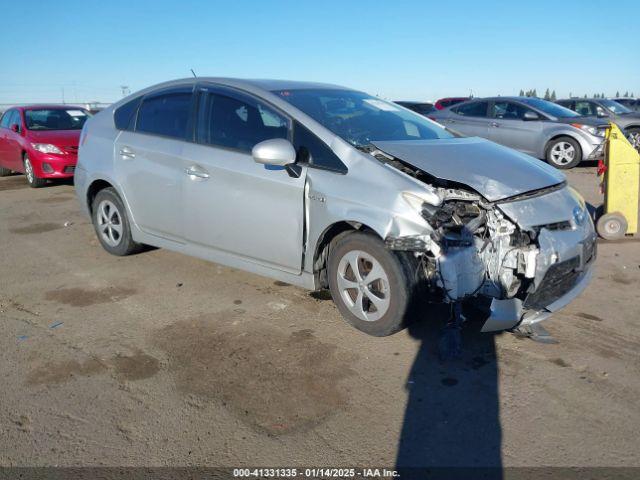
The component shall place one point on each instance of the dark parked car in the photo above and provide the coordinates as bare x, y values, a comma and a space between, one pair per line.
531, 125
449, 102
610, 110
423, 108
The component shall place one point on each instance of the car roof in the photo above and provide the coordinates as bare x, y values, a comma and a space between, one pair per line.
251, 84
50, 106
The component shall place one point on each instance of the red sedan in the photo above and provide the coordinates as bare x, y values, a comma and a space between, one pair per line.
40, 141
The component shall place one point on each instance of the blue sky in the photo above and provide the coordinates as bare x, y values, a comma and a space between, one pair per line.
409, 49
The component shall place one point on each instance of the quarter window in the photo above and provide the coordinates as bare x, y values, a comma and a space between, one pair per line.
237, 122
6, 118
314, 152
474, 109
124, 116
165, 114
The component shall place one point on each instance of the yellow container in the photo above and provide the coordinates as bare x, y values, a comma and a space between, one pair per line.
621, 180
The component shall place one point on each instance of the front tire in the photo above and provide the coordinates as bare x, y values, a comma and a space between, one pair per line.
633, 135
373, 288
563, 153
32, 179
112, 225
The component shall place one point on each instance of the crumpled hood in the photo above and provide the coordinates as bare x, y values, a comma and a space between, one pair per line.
494, 171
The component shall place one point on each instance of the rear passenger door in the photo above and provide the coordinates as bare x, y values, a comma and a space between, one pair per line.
149, 159
233, 205
470, 119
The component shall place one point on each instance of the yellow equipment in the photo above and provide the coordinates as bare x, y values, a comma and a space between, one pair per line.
620, 176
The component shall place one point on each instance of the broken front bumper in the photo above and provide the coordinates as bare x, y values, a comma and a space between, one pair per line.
564, 268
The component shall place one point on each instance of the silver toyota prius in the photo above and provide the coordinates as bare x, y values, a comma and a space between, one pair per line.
325, 187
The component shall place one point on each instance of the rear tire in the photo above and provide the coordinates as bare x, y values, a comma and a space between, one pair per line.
563, 153
112, 225
378, 306
32, 180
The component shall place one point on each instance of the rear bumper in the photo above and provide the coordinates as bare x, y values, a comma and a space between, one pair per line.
53, 166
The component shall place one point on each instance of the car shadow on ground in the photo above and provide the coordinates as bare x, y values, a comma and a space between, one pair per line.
451, 426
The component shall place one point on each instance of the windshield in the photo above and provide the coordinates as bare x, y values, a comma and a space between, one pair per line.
55, 118
549, 108
360, 119
614, 107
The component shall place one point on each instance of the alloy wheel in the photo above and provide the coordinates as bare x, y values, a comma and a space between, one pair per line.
109, 223
634, 139
28, 170
363, 285
563, 153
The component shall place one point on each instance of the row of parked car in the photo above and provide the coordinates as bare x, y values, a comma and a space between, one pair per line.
562, 133
325, 187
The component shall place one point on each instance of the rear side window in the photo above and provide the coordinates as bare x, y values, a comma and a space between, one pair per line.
314, 152
237, 122
124, 116
165, 114
474, 109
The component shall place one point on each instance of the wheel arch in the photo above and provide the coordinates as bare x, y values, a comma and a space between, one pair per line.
324, 242
96, 186
562, 135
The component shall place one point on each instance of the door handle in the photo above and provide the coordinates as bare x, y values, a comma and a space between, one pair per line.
126, 152
195, 171
495, 124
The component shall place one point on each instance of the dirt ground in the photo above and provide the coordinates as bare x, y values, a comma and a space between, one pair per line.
160, 359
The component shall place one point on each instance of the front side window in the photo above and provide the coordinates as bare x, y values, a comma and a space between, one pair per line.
359, 118
55, 119
237, 122
585, 108
473, 109
165, 114
509, 111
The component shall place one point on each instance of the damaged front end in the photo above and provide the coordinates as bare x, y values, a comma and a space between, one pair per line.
529, 254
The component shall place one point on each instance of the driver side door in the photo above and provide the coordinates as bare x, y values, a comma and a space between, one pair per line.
233, 206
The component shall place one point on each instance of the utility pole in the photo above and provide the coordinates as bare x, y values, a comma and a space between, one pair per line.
125, 90
62, 88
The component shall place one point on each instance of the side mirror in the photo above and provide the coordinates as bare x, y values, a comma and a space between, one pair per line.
602, 114
528, 116
277, 152
15, 128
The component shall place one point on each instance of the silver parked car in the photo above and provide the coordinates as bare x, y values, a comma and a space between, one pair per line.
531, 125
325, 187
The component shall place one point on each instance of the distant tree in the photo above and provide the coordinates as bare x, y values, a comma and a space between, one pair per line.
595, 95
626, 94
602, 95
570, 94
534, 93
547, 94
521, 94
585, 95
631, 95
617, 93
553, 96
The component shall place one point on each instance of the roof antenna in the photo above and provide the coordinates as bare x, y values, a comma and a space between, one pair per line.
193, 73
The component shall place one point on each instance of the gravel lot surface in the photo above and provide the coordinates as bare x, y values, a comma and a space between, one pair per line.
160, 359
